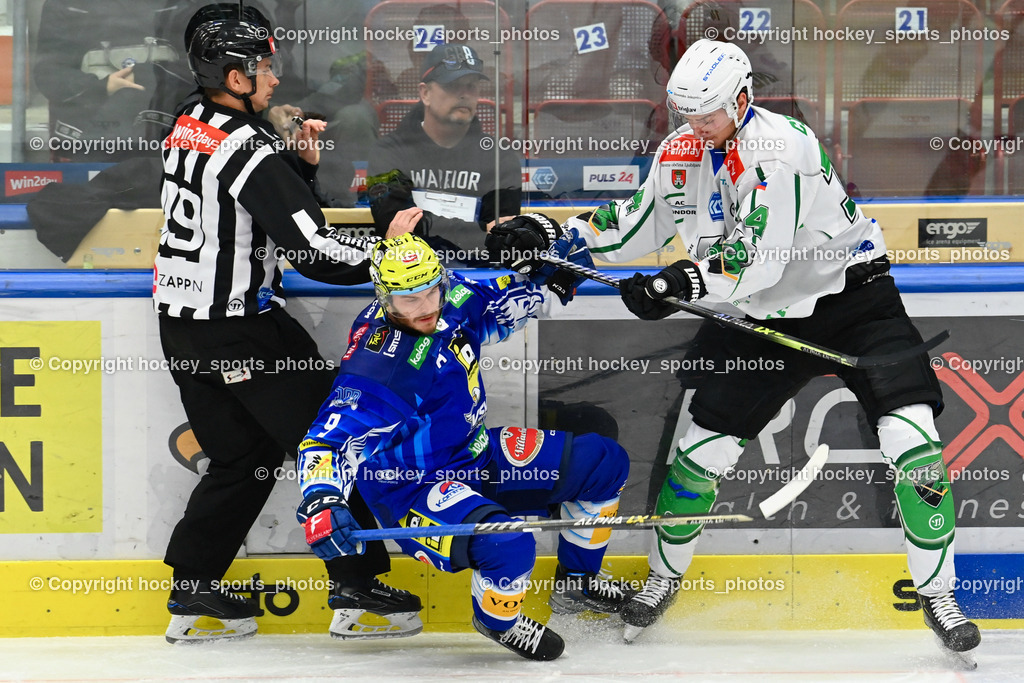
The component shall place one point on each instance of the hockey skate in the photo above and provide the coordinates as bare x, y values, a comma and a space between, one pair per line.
200, 613
527, 638
373, 609
645, 608
957, 635
576, 592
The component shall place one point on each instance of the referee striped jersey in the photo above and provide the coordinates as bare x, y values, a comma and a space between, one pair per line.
235, 207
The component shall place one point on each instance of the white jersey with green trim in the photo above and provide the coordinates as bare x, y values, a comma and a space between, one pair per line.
767, 221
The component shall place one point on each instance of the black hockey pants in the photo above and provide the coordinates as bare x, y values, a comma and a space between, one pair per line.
244, 427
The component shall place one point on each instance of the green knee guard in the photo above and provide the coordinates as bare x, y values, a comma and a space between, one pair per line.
688, 490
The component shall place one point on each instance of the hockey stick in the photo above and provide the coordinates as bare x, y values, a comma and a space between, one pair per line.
800, 481
761, 331
778, 500
523, 526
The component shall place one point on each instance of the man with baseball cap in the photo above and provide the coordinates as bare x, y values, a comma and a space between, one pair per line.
447, 194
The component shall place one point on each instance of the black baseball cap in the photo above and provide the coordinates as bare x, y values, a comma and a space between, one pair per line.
450, 61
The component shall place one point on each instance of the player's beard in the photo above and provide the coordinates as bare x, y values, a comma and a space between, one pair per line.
457, 118
404, 326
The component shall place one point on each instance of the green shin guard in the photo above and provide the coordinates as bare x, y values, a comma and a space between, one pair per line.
925, 502
688, 490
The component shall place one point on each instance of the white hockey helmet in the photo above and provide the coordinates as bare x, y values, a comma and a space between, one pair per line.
709, 76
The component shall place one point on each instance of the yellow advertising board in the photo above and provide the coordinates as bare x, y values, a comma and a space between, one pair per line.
719, 593
51, 455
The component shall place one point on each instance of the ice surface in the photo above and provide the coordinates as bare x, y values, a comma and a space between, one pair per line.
594, 654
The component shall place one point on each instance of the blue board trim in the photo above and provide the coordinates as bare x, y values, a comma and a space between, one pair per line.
74, 284
991, 586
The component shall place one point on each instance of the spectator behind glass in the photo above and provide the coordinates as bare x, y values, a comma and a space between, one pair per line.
434, 161
63, 213
115, 72
335, 69
98, 63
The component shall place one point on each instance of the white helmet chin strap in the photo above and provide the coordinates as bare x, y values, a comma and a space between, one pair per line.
737, 117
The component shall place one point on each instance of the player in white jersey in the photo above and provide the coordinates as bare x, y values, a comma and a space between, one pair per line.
755, 199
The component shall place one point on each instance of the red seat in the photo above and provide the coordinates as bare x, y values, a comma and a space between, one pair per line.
597, 128
395, 63
788, 74
904, 101
1008, 95
609, 60
890, 153
1014, 157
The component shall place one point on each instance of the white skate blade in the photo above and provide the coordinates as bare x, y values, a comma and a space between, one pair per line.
183, 629
962, 661
958, 661
359, 624
631, 632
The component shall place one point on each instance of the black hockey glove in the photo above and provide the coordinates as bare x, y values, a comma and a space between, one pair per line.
514, 243
682, 280
329, 525
390, 193
634, 294
561, 282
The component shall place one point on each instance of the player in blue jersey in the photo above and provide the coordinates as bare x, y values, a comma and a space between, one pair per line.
405, 424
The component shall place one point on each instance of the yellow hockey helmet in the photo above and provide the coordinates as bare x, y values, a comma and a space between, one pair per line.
405, 265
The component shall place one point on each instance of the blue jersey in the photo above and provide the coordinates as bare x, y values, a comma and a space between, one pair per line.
408, 409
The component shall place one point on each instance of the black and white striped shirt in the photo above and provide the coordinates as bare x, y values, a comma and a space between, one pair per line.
235, 207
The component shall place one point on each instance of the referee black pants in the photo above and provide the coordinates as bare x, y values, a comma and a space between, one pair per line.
244, 427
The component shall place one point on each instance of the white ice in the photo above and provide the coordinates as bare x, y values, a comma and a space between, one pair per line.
594, 654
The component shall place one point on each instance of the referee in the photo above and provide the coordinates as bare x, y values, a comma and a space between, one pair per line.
236, 205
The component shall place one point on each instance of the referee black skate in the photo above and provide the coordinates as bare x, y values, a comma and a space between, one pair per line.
237, 205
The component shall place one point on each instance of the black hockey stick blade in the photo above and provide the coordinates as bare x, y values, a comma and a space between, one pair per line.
903, 355
762, 331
